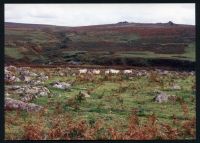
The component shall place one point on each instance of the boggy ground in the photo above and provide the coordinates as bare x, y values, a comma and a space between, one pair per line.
117, 105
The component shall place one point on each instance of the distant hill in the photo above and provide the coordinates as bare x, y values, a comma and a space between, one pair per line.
122, 43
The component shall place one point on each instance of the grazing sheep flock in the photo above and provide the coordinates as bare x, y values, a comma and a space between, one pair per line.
34, 81
32, 78
97, 71
108, 71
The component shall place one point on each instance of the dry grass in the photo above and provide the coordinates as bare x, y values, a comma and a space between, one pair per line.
67, 129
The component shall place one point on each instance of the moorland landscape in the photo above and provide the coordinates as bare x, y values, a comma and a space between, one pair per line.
117, 81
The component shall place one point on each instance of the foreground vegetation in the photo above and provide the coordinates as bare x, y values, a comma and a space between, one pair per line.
119, 107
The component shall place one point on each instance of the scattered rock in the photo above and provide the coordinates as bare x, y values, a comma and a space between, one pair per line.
20, 90
162, 97
61, 74
44, 91
34, 92
27, 90
17, 80
84, 94
170, 23
6, 72
32, 74
9, 77
38, 90
36, 82
11, 68
43, 78
7, 94
13, 87
11, 104
28, 98
192, 73
122, 22
31, 90
25, 78
62, 85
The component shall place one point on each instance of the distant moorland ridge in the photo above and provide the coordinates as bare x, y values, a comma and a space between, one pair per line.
123, 43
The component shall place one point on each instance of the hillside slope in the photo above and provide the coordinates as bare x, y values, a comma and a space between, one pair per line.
112, 44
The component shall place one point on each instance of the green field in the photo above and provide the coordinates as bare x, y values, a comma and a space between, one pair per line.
112, 101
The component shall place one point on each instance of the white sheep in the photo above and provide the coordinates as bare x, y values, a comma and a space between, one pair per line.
107, 71
127, 71
96, 71
114, 71
83, 71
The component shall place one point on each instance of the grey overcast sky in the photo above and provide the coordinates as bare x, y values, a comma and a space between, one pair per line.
94, 14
